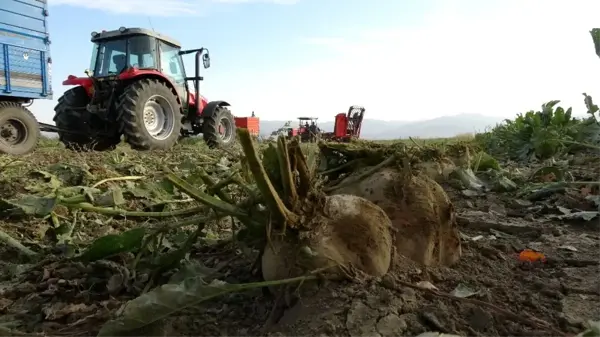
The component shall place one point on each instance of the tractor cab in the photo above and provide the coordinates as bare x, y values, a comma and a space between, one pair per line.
127, 51
308, 129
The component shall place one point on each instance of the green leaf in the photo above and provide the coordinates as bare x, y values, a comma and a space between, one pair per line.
112, 244
595, 325
28, 205
48, 177
70, 175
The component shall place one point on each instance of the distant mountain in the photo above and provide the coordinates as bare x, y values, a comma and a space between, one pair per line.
441, 127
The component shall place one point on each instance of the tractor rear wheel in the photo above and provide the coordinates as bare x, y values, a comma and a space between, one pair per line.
150, 115
71, 115
19, 130
218, 130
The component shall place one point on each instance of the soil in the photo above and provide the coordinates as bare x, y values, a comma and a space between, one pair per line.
507, 296
553, 298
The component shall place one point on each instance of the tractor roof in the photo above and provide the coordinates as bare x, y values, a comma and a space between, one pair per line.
307, 118
119, 33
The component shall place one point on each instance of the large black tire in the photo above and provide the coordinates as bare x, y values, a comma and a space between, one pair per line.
19, 130
133, 106
210, 129
69, 115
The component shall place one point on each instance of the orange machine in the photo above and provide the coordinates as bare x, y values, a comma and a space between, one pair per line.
347, 125
250, 123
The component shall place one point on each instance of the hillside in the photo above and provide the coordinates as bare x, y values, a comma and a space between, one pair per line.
446, 126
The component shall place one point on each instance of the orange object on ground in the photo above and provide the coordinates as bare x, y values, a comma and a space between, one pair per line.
250, 123
531, 256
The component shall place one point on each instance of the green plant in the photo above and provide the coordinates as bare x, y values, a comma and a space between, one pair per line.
541, 134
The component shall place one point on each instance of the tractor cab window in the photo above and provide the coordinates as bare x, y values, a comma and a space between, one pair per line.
141, 52
94, 57
170, 62
112, 55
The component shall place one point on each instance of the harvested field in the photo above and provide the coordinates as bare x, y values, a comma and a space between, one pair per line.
170, 243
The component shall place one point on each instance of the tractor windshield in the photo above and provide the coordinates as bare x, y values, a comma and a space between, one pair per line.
111, 57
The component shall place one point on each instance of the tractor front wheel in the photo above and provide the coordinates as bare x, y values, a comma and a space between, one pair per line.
19, 130
151, 115
76, 130
218, 130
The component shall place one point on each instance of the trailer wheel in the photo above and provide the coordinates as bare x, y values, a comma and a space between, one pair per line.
70, 114
19, 130
150, 115
218, 130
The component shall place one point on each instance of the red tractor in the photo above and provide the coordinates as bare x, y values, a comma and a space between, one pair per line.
308, 131
137, 87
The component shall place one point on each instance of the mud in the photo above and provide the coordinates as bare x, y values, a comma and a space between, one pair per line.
508, 296
489, 292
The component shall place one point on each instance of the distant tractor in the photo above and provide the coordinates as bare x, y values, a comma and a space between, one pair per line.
137, 87
308, 131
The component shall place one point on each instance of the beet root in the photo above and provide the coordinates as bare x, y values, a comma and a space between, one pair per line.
352, 233
420, 211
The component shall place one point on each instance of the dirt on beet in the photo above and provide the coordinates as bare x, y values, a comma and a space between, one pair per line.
491, 291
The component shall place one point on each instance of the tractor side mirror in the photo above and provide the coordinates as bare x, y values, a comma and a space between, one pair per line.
206, 60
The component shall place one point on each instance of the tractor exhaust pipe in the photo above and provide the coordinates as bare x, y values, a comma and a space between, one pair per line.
201, 56
197, 79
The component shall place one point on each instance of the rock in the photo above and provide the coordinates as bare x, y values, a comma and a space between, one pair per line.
480, 319
409, 299
520, 203
497, 209
391, 325
362, 320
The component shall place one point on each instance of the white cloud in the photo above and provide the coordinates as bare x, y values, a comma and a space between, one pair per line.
496, 57
157, 7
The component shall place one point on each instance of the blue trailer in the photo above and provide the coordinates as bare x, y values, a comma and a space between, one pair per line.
25, 71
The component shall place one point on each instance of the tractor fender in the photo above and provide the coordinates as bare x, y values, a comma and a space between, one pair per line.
210, 109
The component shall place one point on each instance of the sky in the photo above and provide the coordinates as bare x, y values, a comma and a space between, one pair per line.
403, 60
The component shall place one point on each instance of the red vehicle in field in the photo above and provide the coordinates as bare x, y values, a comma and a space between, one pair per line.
346, 127
307, 130
137, 87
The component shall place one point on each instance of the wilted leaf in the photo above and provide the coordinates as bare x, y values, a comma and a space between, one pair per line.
112, 244
70, 175
463, 291
48, 177
584, 215
170, 298
426, 285
467, 178
111, 198
592, 331
28, 205
503, 184
193, 269
72, 191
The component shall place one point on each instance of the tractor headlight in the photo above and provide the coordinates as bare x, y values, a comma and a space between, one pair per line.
94, 34
122, 29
